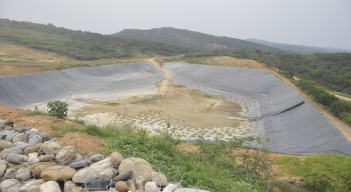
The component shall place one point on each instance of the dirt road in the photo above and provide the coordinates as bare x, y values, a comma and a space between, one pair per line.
163, 85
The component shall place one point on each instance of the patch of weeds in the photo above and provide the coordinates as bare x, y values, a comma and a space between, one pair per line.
78, 119
162, 97
60, 131
179, 86
36, 112
327, 172
209, 96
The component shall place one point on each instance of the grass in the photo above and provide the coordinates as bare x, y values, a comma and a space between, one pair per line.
209, 96
178, 86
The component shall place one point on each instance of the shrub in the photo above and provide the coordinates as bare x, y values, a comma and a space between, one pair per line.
58, 109
327, 172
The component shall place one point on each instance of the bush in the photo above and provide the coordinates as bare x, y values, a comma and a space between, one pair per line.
58, 109
327, 172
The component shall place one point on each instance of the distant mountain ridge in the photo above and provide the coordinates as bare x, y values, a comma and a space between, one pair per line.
195, 40
298, 48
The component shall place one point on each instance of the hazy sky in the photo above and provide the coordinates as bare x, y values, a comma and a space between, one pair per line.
323, 23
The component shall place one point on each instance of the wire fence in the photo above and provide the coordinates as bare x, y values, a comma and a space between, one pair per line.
32, 161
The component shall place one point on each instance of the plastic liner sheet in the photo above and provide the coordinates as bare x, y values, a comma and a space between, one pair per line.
25, 90
293, 125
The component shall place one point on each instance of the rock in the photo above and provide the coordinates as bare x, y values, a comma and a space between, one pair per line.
131, 185
35, 140
189, 190
66, 154
98, 184
33, 158
68, 186
9, 123
50, 186
170, 188
50, 148
141, 182
3, 137
159, 178
79, 156
46, 158
104, 169
3, 167
32, 186
151, 187
18, 137
57, 173
20, 144
123, 177
9, 136
79, 164
45, 136
37, 168
77, 189
19, 129
8, 128
116, 158
112, 189
6, 152
10, 185
5, 144
34, 131
97, 157
31, 149
23, 174
17, 159
84, 175
11, 173
27, 129
121, 186
137, 165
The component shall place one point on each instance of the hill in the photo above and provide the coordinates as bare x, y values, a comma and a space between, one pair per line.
195, 40
78, 44
298, 48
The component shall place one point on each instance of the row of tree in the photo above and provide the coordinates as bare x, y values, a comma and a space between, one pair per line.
340, 108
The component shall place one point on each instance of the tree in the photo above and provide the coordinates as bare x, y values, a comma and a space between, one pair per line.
58, 109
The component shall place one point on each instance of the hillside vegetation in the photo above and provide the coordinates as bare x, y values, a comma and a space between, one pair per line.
298, 48
78, 44
195, 40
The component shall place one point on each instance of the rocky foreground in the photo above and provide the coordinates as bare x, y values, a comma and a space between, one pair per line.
30, 161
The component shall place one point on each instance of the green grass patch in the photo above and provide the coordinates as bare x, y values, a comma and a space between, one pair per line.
327, 172
209, 96
178, 86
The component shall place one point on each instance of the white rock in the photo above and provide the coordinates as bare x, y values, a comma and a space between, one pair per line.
33, 158
17, 159
23, 174
151, 187
50, 186
10, 185
35, 140
170, 188
69, 185
84, 175
20, 144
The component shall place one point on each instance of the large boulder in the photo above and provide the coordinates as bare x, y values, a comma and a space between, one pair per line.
36, 139
46, 158
20, 144
10, 185
49, 148
151, 187
23, 174
66, 154
57, 173
84, 175
5, 144
79, 164
139, 167
18, 137
37, 168
31, 149
104, 169
33, 158
6, 152
116, 159
159, 178
16, 159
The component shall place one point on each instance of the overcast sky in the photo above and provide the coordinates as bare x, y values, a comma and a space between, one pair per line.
323, 23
